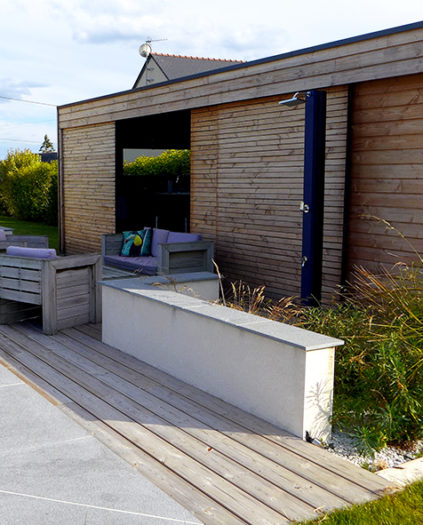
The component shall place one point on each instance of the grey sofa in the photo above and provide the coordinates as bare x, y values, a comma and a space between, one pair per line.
172, 252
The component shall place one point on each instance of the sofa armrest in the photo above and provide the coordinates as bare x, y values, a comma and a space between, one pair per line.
111, 244
185, 257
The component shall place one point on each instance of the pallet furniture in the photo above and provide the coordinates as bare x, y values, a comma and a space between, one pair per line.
174, 257
65, 289
7, 230
28, 241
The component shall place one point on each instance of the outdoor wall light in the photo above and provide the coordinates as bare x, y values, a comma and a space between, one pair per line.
298, 98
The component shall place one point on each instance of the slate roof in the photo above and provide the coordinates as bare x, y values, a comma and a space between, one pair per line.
178, 66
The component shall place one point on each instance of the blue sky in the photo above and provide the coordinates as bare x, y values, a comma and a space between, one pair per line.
60, 51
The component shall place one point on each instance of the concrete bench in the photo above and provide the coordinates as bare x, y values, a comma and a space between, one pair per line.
65, 289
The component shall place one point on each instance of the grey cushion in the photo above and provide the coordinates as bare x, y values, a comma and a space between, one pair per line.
183, 237
145, 265
159, 237
36, 253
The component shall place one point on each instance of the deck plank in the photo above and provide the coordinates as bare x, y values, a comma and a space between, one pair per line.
119, 413
222, 464
249, 449
274, 485
198, 443
248, 423
184, 492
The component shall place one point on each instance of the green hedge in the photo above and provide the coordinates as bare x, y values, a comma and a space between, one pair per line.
170, 162
28, 187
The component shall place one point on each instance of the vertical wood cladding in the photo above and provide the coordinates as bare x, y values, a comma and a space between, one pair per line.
247, 185
88, 186
386, 172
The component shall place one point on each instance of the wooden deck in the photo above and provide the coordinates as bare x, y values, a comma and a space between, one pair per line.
223, 465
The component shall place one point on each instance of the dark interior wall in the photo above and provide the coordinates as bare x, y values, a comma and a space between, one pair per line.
144, 201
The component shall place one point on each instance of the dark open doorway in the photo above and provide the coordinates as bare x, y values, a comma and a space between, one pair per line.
159, 199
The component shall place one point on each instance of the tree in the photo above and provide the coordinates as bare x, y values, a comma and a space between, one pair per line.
47, 145
28, 187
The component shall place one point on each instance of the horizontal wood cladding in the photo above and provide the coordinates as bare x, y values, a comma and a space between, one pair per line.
333, 214
247, 185
386, 56
88, 186
386, 172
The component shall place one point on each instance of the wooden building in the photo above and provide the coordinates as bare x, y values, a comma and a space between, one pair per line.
250, 157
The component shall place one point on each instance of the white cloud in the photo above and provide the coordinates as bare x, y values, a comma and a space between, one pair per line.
60, 51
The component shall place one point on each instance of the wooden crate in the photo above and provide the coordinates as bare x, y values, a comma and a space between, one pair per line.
66, 289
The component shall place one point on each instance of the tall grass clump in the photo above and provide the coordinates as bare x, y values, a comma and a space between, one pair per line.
378, 394
379, 372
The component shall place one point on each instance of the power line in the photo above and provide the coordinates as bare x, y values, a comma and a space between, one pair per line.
28, 101
17, 140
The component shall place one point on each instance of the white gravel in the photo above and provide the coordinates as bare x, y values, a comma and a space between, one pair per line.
342, 445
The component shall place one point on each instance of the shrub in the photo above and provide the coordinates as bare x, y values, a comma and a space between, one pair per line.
378, 395
170, 162
29, 187
52, 208
15, 160
379, 371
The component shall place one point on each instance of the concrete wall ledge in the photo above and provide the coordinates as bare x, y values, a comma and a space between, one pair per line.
150, 289
279, 372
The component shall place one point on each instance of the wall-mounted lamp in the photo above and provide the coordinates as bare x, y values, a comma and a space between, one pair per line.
298, 98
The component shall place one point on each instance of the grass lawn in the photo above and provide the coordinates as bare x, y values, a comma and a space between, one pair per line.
32, 228
402, 508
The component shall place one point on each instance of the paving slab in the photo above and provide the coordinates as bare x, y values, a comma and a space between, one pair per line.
52, 471
7, 378
404, 474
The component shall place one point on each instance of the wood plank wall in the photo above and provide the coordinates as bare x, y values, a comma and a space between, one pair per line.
335, 167
387, 55
89, 186
386, 171
247, 184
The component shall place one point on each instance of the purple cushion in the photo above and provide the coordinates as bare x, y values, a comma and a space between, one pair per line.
183, 237
159, 237
36, 253
145, 265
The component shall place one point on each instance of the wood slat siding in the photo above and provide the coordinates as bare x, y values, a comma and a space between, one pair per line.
247, 184
88, 186
335, 165
380, 57
386, 171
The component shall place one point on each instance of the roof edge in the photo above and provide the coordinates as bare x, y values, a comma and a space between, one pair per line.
273, 58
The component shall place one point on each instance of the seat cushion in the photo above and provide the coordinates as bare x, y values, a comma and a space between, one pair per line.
183, 237
159, 237
36, 253
145, 265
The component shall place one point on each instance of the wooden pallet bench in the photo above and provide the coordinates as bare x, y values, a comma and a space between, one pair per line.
65, 289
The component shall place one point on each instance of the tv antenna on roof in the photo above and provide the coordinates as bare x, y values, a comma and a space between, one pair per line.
146, 49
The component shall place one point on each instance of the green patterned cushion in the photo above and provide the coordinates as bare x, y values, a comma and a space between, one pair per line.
136, 243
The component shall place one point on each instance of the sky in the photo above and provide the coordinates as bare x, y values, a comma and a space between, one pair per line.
55, 52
